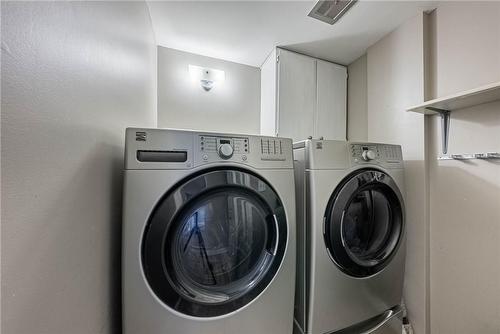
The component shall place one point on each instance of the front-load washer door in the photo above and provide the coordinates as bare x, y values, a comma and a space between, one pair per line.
364, 222
214, 242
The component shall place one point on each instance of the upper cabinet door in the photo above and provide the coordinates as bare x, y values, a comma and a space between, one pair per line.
296, 95
330, 121
268, 84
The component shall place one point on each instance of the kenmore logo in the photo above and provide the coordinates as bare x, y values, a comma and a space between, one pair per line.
140, 136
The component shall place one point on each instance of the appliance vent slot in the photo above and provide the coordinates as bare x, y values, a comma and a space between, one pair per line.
331, 11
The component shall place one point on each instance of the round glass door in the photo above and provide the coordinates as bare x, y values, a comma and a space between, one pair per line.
214, 243
364, 222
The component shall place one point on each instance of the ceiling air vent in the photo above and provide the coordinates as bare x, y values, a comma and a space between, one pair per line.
331, 11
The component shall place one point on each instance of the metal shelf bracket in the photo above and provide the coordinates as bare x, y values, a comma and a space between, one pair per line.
445, 126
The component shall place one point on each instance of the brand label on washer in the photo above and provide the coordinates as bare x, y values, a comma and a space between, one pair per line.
140, 136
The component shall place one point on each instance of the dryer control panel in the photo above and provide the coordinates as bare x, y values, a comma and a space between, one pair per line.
370, 153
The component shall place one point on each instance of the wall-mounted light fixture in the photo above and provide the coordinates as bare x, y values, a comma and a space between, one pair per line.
207, 77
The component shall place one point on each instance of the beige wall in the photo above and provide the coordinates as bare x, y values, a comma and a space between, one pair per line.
357, 115
453, 265
467, 46
465, 196
395, 80
233, 106
74, 75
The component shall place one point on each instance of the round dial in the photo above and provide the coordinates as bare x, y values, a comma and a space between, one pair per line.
368, 155
225, 151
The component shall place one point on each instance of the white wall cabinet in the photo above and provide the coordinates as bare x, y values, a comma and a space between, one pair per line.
296, 95
303, 96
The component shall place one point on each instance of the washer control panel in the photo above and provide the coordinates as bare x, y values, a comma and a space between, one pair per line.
242, 149
362, 153
184, 149
223, 147
272, 149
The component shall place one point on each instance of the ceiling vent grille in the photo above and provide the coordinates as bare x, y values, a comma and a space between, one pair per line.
331, 11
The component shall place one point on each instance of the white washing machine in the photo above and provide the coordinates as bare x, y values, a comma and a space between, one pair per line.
208, 233
350, 237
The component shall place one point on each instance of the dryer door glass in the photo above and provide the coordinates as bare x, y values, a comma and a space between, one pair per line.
364, 222
367, 225
214, 243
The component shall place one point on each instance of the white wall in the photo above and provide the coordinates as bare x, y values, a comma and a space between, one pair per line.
465, 197
357, 114
74, 75
232, 107
395, 81
453, 265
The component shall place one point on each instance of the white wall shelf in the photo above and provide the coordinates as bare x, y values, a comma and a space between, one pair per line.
473, 97
444, 105
482, 156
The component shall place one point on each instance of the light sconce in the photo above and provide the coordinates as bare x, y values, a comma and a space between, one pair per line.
207, 77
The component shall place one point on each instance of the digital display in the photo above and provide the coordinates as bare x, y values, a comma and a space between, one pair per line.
365, 148
224, 141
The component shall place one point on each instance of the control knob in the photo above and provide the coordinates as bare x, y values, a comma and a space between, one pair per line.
225, 151
368, 155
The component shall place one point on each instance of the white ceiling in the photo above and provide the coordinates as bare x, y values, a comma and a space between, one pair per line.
246, 31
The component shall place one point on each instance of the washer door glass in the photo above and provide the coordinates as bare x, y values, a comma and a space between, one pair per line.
222, 245
364, 222
216, 249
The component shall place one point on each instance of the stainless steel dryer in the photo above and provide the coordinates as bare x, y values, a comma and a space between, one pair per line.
208, 233
350, 237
